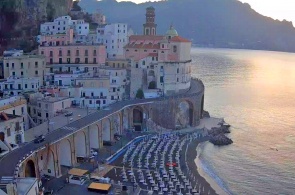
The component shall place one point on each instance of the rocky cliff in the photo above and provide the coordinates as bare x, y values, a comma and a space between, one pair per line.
20, 19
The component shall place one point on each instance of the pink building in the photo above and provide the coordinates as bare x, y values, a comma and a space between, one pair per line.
74, 54
164, 48
57, 39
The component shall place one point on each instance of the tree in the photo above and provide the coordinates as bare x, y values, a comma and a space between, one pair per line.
152, 85
139, 94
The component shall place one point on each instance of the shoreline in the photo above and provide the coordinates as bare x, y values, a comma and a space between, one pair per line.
214, 184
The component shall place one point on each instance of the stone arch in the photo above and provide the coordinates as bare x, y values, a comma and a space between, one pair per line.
94, 136
116, 124
126, 118
184, 114
65, 153
30, 170
80, 144
106, 130
49, 163
138, 117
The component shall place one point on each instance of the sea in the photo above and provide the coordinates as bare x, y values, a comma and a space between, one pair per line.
254, 91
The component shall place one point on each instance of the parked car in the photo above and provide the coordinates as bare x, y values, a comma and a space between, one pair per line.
69, 114
39, 139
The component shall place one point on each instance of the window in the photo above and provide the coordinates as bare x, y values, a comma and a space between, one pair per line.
103, 102
162, 46
77, 60
174, 48
13, 73
33, 86
94, 60
23, 110
177, 80
22, 73
51, 61
86, 52
22, 65
8, 132
60, 60
47, 115
143, 62
77, 52
177, 70
94, 52
97, 101
42, 52
90, 101
26, 86
60, 52
86, 60
69, 52
51, 54
36, 72
161, 79
68, 60
7, 65
12, 65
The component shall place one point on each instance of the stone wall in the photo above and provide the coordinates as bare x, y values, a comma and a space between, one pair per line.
167, 112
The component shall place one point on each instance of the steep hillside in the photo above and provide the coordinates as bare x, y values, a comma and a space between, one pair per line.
21, 18
213, 23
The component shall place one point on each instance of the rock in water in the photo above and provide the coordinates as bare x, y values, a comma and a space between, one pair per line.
220, 140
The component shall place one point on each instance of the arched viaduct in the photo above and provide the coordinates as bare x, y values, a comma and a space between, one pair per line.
63, 146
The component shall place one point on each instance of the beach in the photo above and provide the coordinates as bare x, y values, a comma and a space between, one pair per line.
187, 162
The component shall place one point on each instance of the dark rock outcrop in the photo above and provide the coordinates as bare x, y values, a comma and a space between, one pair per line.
220, 140
217, 135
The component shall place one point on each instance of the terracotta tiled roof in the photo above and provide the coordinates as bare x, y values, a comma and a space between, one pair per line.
179, 39
146, 37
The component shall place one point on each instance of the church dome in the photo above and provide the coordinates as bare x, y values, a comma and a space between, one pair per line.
171, 32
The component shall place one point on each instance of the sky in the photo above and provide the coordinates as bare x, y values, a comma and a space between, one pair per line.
277, 9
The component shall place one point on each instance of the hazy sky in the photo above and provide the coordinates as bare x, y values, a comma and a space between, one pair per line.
277, 9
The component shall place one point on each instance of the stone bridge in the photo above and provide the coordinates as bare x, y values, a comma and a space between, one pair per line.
62, 147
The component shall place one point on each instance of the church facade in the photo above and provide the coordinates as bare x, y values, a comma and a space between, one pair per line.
159, 62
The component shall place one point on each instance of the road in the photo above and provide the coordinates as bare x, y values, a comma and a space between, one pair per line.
9, 162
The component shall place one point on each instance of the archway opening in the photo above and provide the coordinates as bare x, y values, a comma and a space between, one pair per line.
94, 137
106, 133
137, 119
64, 153
80, 144
30, 169
184, 114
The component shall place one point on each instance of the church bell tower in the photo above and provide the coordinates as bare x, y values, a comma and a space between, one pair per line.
150, 28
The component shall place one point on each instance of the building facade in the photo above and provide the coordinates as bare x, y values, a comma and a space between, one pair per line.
16, 105
41, 108
74, 54
114, 37
24, 66
163, 62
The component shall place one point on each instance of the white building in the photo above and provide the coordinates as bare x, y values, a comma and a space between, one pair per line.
16, 105
114, 37
13, 53
42, 108
62, 24
11, 131
15, 85
23, 186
